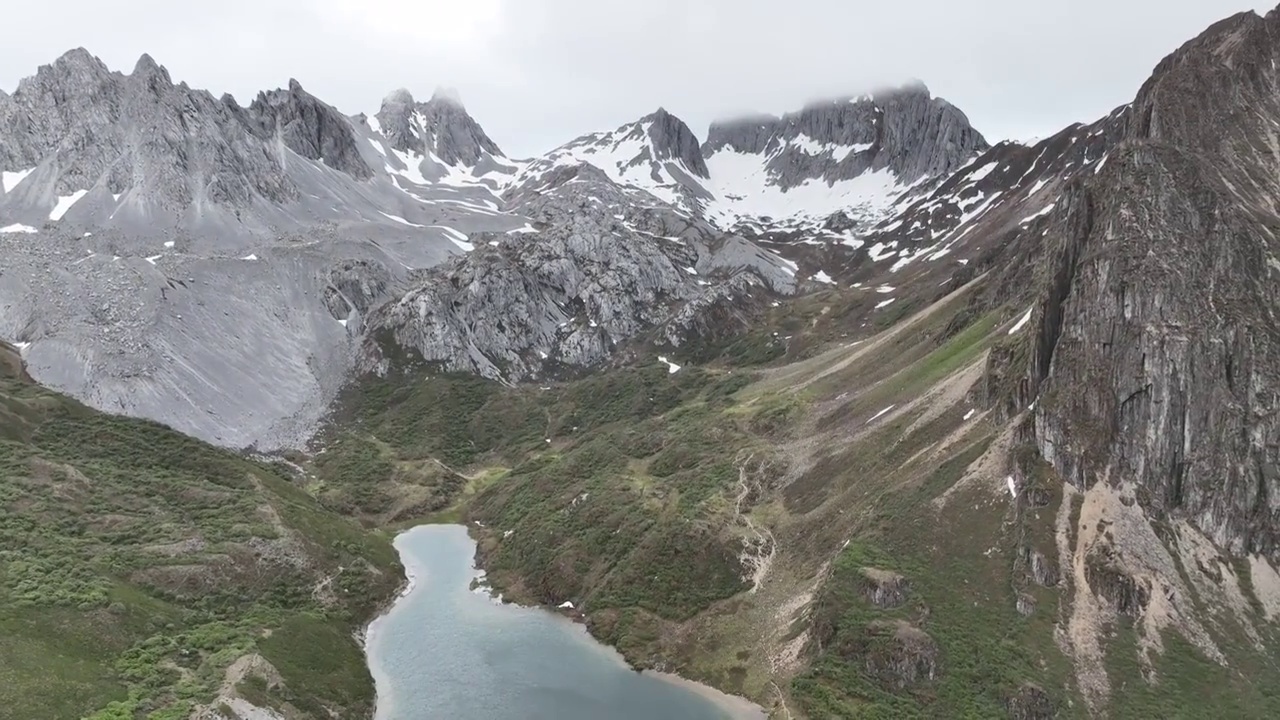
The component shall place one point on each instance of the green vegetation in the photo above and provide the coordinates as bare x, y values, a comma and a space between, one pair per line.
136, 564
615, 489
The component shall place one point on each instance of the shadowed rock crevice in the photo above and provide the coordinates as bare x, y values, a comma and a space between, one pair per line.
1124, 594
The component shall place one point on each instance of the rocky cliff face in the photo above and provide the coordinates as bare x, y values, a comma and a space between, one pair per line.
673, 140
1154, 359
1144, 371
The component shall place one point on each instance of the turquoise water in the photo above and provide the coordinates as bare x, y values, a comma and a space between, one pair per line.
445, 651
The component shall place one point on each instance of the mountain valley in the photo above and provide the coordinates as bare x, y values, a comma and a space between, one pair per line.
846, 411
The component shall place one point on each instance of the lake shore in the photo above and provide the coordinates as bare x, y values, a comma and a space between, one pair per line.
738, 707
735, 707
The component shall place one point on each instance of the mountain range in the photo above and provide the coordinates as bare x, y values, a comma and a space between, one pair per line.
845, 410
169, 204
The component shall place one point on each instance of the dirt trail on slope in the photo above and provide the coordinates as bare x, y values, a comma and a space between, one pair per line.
754, 554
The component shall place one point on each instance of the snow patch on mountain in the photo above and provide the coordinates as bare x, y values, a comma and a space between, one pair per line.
64, 204
9, 180
743, 188
628, 157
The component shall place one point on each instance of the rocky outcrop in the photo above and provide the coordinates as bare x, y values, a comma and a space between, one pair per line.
1109, 582
604, 270
1030, 702
356, 286
1042, 570
899, 655
883, 588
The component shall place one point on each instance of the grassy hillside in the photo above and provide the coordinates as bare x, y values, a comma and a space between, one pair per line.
830, 533
146, 574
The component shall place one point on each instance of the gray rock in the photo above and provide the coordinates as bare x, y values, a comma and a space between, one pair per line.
673, 140
1152, 351
899, 655
308, 127
884, 589
605, 269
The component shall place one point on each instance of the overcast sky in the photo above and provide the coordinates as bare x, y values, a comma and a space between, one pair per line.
536, 73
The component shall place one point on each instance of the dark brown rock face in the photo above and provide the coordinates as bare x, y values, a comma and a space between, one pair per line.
900, 655
1155, 357
884, 589
1030, 703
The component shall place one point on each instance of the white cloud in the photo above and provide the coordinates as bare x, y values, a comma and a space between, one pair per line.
440, 25
536, 73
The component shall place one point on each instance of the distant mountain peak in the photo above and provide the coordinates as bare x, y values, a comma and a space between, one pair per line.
448, 95
147, 67
440, 126
77, 56
309, 127
399, 96
902, 129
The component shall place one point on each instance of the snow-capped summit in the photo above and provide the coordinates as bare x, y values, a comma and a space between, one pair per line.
657, 154
855, 153
295, 221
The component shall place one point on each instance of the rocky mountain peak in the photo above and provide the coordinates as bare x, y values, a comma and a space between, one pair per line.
147, 69
309, 127
73, 70
395, 118
441, 126
673, 140
451, 133
400, 97
1194, 92
79, 58
902, 130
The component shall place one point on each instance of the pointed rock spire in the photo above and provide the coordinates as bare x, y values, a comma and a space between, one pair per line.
673, 140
